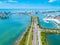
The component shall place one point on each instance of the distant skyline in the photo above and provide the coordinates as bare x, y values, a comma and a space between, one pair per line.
30, 4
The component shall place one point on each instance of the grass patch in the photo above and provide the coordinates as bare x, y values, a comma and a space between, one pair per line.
31, 38
25, 37
43, 38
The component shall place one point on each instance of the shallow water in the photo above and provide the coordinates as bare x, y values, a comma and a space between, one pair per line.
50, 25
53, 39
15, 25
12, 28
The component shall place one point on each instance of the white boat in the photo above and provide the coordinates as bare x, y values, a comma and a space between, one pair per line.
49, 19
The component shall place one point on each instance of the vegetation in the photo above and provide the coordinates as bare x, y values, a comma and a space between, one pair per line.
46, 28
39, 23
44, 33
31, 34
43, 38
25, 37
31, 38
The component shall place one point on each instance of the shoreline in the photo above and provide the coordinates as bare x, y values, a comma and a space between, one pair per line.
20, 37
17, 42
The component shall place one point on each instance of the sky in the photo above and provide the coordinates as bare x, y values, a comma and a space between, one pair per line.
30, 4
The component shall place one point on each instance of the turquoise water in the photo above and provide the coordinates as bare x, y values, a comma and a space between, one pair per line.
15, 25
53, 39
12, 28
50, 25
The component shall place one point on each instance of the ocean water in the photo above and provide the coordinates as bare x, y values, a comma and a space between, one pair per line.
15, 25
50, 25
53, 39
12, 28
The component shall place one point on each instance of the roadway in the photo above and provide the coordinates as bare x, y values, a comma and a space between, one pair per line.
36, 33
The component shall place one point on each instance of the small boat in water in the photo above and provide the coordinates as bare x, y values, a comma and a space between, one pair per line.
55, 20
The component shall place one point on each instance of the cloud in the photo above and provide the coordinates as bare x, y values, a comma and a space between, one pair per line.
51, 1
